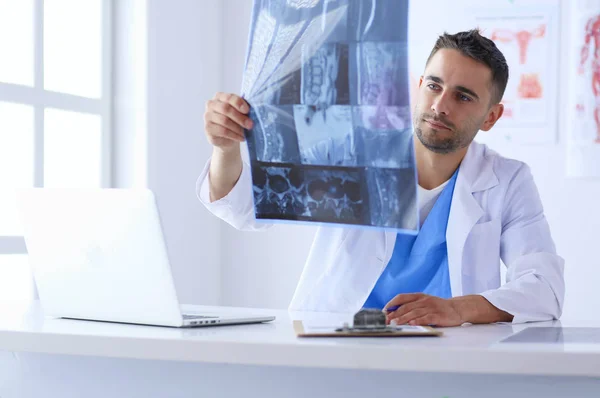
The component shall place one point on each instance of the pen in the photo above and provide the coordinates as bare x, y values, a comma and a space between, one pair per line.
393, 308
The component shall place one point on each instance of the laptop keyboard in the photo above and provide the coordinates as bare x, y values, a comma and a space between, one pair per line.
194, 316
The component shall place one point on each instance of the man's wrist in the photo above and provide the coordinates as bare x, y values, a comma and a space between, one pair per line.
477, 309
224, 172
461, 308
227, 153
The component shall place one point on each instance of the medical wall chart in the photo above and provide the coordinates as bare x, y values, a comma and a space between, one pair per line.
583, 131
528, 42
528, 34
327, 83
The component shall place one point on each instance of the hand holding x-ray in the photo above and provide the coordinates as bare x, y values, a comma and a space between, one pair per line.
225, 118
224, 121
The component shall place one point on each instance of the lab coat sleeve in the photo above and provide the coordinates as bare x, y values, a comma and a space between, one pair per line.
535, 287
237, 207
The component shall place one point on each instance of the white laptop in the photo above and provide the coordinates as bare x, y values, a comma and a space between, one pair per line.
100, 254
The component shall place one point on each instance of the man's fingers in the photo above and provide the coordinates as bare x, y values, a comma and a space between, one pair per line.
224, 121
409, 316
218, 131
402, 299
234, 100
406, 308
426, 320
231, 112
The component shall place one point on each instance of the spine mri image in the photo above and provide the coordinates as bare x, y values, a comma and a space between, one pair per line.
328, 86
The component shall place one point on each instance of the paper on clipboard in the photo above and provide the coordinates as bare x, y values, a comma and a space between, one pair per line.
309, 329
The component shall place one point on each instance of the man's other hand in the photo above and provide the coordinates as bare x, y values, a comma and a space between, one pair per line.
423, 310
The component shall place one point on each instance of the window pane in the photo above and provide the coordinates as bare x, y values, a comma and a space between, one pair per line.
16, 161
72, 149
16, 41
73, 47
16, 281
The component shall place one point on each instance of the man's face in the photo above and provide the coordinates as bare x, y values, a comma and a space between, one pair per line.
453, 102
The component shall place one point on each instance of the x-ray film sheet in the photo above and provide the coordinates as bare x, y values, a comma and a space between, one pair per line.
327, 83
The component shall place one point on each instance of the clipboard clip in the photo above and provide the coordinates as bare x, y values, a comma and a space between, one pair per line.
369, 320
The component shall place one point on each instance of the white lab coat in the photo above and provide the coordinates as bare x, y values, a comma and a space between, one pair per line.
496, 213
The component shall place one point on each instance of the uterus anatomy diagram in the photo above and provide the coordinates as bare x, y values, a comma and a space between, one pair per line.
530, 86
592, 40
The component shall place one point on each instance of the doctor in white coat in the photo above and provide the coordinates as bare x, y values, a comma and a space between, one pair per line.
495, 213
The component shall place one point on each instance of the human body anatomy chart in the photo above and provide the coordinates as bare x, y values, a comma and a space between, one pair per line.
327, 83
583, 145
528, 37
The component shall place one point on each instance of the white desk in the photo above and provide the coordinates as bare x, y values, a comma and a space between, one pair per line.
66, 358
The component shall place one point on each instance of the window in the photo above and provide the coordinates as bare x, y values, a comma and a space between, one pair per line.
54, 111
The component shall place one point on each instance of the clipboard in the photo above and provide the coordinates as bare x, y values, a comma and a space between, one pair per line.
303, 330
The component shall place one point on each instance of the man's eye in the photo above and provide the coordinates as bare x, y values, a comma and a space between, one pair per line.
432, 86
464, 98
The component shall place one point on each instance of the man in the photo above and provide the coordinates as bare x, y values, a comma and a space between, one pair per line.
486, 207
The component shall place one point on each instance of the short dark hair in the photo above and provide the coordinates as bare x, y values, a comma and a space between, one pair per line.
473, 45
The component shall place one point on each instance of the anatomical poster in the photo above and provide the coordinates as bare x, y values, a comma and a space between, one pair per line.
327, 83
528, 37
583, 132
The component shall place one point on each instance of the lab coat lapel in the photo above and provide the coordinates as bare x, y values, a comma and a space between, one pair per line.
475, 174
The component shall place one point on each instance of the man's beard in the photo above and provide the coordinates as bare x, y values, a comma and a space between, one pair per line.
459, 138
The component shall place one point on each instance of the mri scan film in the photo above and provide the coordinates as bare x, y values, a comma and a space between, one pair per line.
328, 87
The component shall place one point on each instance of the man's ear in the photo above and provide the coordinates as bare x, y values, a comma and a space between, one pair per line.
494, 114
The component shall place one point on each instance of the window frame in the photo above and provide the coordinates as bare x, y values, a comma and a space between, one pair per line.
40, 99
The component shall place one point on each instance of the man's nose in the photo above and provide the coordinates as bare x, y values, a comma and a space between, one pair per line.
441, 105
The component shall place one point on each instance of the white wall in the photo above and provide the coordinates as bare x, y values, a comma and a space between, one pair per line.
184, 71
168, 65
261, 269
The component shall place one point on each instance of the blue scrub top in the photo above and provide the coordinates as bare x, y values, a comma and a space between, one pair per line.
419, 264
